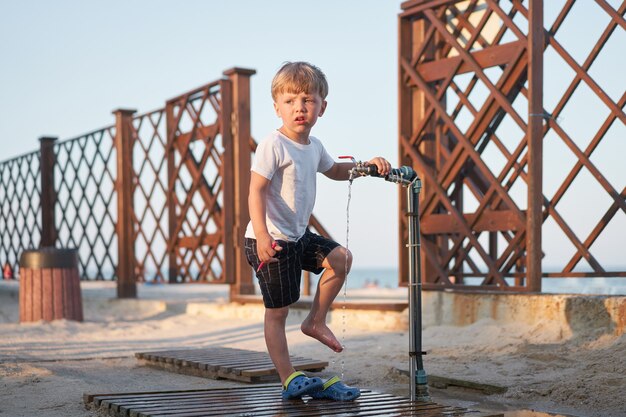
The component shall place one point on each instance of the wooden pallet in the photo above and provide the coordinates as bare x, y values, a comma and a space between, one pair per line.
263, 400
224, 363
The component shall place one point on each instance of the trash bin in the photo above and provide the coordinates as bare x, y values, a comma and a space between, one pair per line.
49, 285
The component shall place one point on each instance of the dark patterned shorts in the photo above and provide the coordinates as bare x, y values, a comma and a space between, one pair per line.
280, 281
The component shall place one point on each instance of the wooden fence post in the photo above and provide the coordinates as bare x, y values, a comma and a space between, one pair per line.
242, 138
412, 106
172, 271
534, 214
126, 280
228, 182
48, 191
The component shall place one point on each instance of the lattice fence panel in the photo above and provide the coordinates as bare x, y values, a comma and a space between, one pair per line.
20, 208
470, 68
464, 123
179, 162
585, 187
86, 209
197, 193
150, 196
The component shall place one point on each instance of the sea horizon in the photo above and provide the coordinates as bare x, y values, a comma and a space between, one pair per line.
387, 277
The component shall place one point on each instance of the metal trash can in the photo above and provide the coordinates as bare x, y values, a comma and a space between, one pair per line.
50, 285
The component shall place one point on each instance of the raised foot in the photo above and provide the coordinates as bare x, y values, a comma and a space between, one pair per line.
323, 334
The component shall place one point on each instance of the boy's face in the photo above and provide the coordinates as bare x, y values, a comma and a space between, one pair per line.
299, 113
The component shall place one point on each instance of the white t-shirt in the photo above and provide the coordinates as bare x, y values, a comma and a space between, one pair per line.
291, 168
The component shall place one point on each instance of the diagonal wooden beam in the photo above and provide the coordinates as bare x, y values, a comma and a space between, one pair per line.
424, 168
461, 239
468, 147
472, 64
488, 57
508, 82
595, 233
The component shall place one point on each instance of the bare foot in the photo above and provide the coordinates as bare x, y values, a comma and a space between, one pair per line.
321, 333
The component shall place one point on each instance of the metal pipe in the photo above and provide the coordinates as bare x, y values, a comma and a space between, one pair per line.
408, 178
413, 331
417, 374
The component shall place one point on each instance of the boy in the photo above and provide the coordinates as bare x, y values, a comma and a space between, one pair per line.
278, 244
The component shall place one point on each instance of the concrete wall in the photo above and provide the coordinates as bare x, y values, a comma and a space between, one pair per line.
571, 315
579, 314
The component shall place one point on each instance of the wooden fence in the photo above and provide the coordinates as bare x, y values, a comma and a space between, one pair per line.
161, 196
155, 197
475, 118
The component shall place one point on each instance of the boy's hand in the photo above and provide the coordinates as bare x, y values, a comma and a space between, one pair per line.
382, 164
267, 248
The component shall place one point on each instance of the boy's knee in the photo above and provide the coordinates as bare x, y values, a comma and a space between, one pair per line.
340, 260
276, 314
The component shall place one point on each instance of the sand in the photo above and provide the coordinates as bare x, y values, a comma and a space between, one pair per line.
46, 367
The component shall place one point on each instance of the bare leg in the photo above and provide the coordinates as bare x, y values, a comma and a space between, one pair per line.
328, 287
276, 340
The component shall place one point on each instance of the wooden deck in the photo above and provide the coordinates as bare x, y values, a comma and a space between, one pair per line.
224, 363
263, 400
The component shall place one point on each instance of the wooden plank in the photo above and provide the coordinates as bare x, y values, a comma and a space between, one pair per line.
249, 363
47, 307
137, 401
37, 294
193, 242
77, 298
155, 406
413, 8
299, 365
228, 181
271, 406
184, 370
185, 352
229, 363
445, 382
48, 191
489, 220
66, 291
124, 187
534, 133
241, 278
264, 400
199, 133
57, 288
26, 293
486, 58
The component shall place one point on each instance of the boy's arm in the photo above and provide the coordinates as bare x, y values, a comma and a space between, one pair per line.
256, 205
340, 170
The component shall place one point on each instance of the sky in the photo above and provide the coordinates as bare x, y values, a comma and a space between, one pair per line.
67, 64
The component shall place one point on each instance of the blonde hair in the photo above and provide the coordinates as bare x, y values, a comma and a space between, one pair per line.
299, 77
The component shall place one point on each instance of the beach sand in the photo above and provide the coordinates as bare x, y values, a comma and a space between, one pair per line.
46, 367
